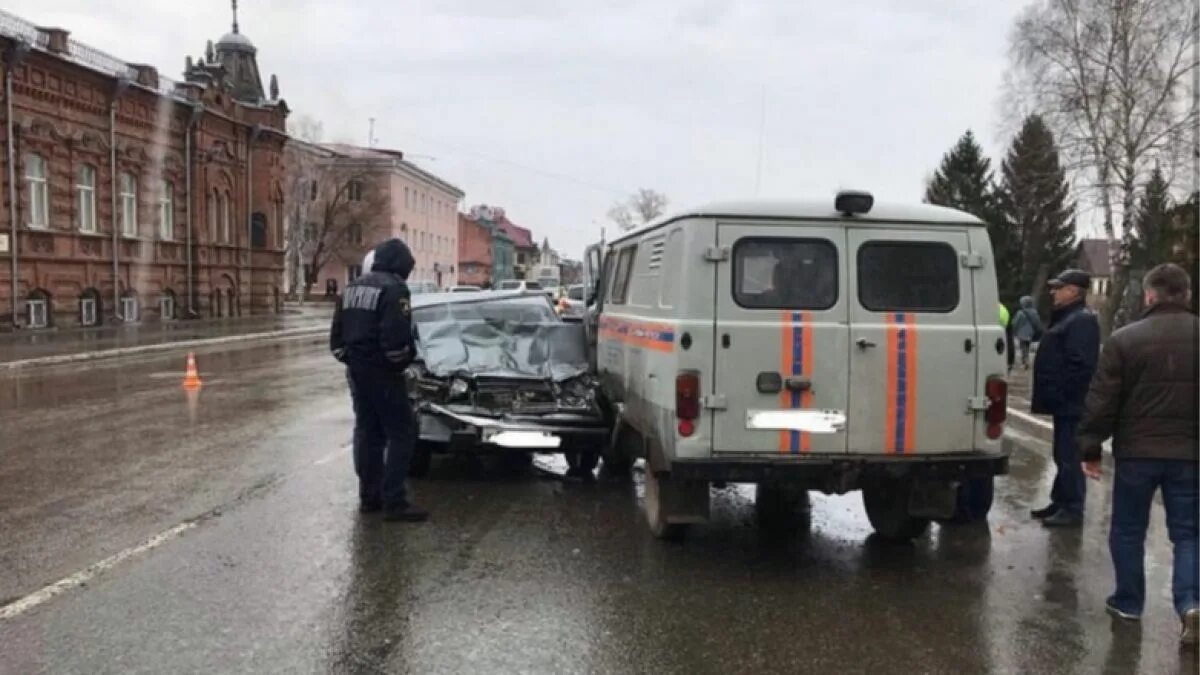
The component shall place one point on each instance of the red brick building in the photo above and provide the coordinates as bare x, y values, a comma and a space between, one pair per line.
127, 196
474, 253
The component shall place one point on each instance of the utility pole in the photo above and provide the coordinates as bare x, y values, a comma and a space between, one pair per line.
371, 133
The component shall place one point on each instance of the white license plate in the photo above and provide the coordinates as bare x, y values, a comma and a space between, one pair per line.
523, 439
812, 421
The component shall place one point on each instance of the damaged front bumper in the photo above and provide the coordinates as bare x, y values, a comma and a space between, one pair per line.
460, 427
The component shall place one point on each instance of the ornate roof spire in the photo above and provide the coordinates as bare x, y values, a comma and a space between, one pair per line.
235, 26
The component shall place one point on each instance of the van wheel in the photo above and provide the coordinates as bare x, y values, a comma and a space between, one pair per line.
780, 505
656, 512
422, 458
887, 509
581, 463
620, 455
974, 501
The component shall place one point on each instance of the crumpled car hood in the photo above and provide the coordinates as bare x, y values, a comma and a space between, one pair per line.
483, 349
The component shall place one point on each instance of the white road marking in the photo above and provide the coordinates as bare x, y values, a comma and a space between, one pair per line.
78, 579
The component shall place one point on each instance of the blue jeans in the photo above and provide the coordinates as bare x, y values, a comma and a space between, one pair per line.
1070, 485
1134, 485
383, 418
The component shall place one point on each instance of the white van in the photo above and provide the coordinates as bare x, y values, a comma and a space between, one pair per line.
822, 345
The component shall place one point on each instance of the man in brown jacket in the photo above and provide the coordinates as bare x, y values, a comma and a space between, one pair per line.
1144, 396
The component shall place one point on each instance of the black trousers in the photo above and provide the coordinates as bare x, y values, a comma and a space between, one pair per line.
385, 431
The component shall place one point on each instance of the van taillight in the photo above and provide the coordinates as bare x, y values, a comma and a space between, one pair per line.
687, 401
996, 390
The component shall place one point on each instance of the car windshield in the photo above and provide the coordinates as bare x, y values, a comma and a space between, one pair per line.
575, 293
518, 337
509, 285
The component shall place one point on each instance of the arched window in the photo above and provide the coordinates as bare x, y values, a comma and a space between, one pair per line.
39, 199
210, 207
89, 308
85, 198
226, 227
129, 307
166, 305
37, 309
166, 211
128, 185
355, 190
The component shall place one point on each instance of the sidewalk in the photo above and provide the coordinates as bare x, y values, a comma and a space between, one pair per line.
50, 345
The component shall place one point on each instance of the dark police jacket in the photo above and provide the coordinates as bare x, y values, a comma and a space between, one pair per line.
372, 319
1066, 360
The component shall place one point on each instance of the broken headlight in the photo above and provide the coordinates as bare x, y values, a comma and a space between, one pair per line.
458, 388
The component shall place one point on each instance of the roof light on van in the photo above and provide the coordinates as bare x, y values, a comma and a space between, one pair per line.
852, 202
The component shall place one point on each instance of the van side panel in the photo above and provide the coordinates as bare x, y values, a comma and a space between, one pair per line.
992, 362
640, 344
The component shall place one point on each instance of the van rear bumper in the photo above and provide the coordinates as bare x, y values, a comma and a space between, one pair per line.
841, 473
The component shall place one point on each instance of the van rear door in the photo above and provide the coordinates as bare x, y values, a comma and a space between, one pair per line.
781, 345
913, 343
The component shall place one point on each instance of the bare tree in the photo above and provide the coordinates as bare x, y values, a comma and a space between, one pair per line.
1108, 76
350, 211
640, 208
300, 192
306, 128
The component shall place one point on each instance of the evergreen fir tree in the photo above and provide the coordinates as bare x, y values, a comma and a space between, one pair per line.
963, 181
1153, 240
1033, 201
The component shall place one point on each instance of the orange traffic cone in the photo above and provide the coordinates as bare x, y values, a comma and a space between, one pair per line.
191, 378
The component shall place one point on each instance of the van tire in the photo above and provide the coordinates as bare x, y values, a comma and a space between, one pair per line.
779, 506
887, 508
620, 455
975, 498
656, 515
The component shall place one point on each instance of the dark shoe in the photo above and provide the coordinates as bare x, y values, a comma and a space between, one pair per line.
1190, 634
1063, 519
1042, 514
1113, 610
408, 513
369, 506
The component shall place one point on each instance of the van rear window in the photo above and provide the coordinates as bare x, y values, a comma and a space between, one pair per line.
775, 273
895, 276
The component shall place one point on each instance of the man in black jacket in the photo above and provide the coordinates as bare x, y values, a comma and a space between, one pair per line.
372, 335
1145, 396
1062, 370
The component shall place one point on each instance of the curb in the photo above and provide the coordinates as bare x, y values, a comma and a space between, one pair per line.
160, 347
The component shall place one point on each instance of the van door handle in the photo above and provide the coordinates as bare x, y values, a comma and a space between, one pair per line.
864, 343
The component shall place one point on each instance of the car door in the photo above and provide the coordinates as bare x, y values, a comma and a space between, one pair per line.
781, 348
913, 342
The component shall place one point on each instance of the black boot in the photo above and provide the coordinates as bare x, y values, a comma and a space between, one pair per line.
409, 513
1044, 513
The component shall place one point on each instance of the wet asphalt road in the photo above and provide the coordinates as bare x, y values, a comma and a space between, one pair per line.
515, 573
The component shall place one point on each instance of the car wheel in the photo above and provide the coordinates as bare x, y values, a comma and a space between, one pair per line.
656, 513
516, 461
620, 455
422, 458
780, 505
974, 501
582, 463
887, 509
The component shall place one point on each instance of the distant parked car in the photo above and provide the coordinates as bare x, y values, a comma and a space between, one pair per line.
418, 287
571, 304
519, 285
466, 289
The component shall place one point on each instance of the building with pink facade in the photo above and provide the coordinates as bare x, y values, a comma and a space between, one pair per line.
410, 203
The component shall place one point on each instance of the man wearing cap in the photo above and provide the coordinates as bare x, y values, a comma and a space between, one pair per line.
1062, 370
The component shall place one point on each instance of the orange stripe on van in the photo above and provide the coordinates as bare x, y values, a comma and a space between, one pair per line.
889, 410
806, 368
910, 397
785, 366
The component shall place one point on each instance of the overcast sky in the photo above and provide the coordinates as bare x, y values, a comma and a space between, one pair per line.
555, 109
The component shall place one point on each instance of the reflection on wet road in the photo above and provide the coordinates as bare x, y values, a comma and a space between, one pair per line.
515, 573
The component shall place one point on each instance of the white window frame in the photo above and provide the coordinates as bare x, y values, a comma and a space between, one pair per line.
127, 302
87, 311
85, 197
128, 186
166, 307
39, 198
37, 313
166, 210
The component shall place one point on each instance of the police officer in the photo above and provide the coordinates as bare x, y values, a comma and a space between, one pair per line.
372, 335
